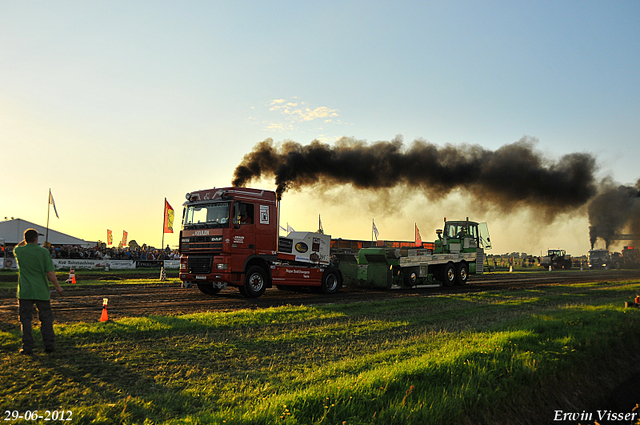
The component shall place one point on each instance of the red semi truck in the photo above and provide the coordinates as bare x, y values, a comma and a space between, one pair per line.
230, 237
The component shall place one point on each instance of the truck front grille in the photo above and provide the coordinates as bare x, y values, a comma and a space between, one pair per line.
216, 247
199, 265
198, 244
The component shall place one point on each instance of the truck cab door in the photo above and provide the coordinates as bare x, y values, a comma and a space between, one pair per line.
243, 225
484, 235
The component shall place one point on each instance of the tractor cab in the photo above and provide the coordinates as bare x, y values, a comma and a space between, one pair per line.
556, 253
462, 236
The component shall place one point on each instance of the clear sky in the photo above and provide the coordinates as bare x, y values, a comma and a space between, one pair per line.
115, 105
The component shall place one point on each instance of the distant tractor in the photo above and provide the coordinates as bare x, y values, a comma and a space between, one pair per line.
556, 259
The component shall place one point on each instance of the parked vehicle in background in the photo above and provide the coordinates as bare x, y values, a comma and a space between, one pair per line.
630, 257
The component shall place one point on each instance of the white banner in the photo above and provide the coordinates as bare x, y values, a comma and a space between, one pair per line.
64, 263
171, 264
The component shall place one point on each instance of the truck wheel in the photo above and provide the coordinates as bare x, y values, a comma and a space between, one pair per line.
255, 282
410, 277
207, 288
462, 274
449, 274
330, 281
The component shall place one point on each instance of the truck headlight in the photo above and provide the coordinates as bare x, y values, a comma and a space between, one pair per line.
222, 266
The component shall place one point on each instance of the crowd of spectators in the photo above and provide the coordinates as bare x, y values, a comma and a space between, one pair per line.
115, 253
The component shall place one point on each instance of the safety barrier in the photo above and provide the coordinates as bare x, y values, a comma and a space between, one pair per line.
63, 263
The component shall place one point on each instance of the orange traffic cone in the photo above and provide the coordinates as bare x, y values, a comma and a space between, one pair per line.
72, 276
104, 316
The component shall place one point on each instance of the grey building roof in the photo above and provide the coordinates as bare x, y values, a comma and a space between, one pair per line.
12, 231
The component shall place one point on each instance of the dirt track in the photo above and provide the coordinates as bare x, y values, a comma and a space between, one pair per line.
84, 304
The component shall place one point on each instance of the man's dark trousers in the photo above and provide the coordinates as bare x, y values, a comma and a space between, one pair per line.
46, 323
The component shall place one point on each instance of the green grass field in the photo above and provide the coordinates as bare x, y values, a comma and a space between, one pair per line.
492, 357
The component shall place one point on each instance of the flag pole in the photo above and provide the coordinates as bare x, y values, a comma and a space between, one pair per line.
46, 238
164, 209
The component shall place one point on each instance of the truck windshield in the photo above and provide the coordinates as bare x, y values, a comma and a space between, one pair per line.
206, 215
600, 254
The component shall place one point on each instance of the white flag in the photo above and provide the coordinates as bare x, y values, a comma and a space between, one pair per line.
52, 202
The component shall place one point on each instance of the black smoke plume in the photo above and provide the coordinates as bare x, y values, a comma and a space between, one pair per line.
512, 176
614, 210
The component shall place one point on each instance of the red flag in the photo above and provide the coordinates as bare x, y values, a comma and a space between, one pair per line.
418, 237
109, 237
124, 237
168, 217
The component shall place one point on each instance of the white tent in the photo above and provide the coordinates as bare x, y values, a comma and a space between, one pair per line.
12, 231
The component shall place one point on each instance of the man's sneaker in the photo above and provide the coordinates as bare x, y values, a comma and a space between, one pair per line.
25, 352
48, 350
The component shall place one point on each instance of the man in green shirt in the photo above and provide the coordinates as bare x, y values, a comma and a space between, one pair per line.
35, 265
